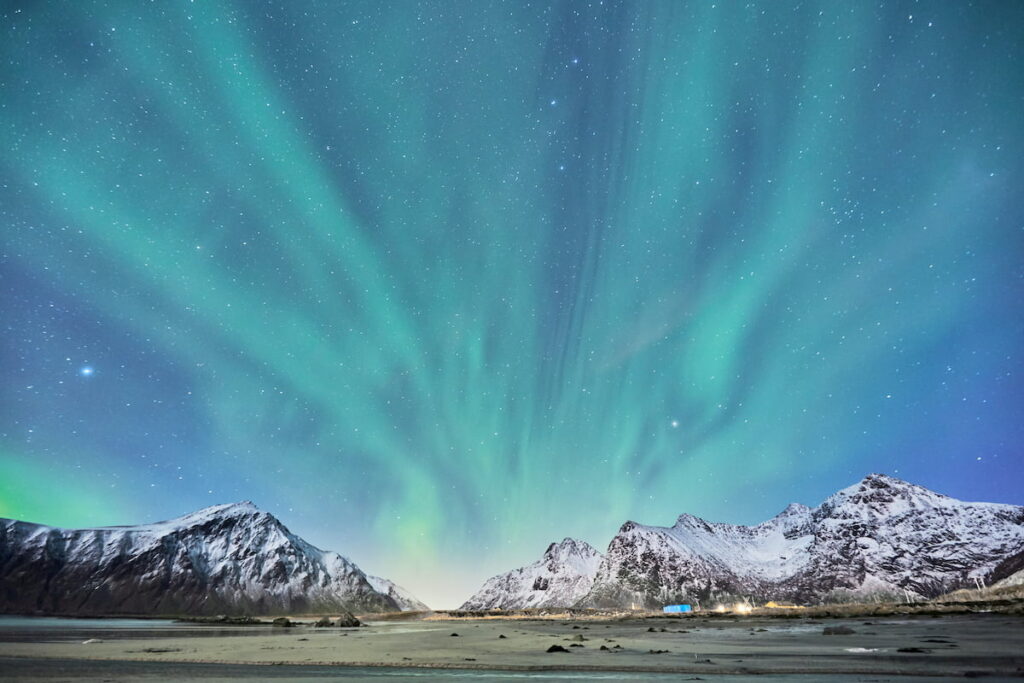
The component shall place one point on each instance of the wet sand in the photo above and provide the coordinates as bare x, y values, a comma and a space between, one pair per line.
20, 669
987, 645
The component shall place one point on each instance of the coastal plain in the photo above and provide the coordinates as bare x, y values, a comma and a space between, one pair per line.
901, 647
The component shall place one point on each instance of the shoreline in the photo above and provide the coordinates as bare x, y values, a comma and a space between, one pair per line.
1006, 601
1006, 606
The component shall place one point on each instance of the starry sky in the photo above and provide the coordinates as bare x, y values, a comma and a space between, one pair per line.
438, 283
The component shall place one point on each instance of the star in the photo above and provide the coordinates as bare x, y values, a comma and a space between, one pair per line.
86, 371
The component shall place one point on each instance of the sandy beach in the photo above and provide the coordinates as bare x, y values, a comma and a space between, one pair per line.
987, 645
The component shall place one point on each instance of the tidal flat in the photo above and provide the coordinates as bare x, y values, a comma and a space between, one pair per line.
735, 648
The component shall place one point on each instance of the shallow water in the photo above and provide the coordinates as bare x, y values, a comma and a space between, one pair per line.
16, 622
80, 670
16, 629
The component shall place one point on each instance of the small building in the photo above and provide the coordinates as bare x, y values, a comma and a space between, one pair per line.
677, 608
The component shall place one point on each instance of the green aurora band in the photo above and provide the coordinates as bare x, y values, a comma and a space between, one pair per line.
439, 283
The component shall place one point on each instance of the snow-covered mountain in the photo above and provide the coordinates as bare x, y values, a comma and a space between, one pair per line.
560, 578
406, 601
232, 559
879, 537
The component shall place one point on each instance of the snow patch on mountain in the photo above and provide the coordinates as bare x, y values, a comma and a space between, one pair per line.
563, 575
405, 600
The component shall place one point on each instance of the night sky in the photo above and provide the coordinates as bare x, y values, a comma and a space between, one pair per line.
439, 283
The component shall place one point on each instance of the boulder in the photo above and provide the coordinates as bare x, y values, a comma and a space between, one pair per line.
347, 620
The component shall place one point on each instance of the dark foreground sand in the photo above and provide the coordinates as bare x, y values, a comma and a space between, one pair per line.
694, 648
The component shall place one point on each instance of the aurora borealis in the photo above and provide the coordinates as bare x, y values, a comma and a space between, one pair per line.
439, 283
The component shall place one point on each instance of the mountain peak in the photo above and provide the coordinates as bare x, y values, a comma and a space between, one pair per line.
245, 509
794, 513
562, 576
568, 547
688, 521
879, 480
794, 509
240, 509
882, 492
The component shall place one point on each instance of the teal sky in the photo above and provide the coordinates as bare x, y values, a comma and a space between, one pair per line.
438, 283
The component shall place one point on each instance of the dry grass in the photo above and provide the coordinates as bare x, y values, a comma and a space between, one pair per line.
394, 616
985, 594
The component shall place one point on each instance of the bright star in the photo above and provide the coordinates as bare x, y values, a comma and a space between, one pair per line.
674, 423
86, 371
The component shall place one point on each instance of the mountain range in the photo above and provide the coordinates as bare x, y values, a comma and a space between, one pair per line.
881, 538
225, 559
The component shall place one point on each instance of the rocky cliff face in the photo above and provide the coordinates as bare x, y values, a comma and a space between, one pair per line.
1009, 572
233, 559
563, 576
881, 537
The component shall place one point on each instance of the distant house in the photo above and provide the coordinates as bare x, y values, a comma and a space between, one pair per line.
677, 608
